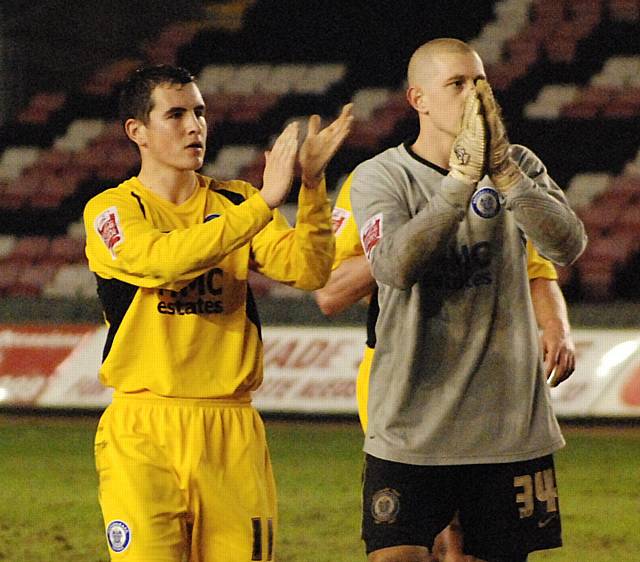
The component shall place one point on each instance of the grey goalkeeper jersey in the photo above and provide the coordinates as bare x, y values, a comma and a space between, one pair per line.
457, 375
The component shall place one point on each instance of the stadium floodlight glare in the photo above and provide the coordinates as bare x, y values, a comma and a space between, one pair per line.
615, 356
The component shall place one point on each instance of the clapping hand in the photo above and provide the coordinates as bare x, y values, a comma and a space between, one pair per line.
320, 145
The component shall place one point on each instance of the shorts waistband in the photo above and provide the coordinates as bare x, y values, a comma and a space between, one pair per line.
148, 397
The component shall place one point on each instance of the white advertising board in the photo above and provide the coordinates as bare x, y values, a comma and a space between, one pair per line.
307, 370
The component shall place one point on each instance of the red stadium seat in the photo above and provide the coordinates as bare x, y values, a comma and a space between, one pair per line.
104, 80
598, 266
581, 110
565, 275
624, 10
28, 250
32, 280
65, 250
8, 278
600, 215
621, 108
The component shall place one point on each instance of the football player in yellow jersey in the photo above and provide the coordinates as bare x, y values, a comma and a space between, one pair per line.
184, 470
351, 281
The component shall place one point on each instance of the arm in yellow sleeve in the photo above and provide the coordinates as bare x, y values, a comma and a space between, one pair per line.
302, 256
537, 266
122, 244
351, 278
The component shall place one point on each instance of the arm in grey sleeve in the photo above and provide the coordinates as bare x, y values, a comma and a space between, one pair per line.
542, 212
408, 242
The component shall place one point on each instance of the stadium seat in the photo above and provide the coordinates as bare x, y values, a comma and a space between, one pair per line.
15, 159
285, 78
628, 184
163, 49
17, 193
31, 280
213, 78
28, 250
247, 79
621, 108
41, 106
367, 100
105, 79
320, 77
65, 250
250, 108
230, 160
602, 260
584, 188
629, 221
7, 243
71, 280
600, 216
581, 110
550, 100
50, 195
627, 11
8, 278
79, 133
560, 47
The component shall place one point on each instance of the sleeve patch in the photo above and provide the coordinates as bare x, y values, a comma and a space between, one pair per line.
107, 225
371, 234
339, 218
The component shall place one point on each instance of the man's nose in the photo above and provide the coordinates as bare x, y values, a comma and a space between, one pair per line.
194, 122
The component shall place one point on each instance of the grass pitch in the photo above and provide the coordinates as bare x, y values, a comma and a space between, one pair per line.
49, 510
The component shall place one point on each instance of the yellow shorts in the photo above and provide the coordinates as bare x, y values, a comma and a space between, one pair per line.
185, 480
362, 385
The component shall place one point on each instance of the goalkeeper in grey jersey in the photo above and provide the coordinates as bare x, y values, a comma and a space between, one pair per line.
459, 410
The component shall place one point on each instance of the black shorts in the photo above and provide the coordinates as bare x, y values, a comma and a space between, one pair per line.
505, 509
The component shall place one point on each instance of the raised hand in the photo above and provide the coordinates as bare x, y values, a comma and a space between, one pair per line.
503, 171
279, 167
467, 158
319, 146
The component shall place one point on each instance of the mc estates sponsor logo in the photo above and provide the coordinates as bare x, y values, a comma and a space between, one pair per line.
202, 296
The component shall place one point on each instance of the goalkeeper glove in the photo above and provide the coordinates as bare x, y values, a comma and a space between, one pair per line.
503, 171
467, 158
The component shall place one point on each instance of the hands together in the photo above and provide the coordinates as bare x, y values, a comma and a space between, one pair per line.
470, 157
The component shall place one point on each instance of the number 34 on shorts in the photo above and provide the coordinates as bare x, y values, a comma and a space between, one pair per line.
536, 490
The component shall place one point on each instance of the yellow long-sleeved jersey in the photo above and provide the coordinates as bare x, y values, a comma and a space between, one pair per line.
173, 281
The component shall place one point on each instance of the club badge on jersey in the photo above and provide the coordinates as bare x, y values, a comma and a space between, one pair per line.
118, 535
486, 203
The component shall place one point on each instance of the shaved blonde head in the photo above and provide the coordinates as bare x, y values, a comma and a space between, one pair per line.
424, 56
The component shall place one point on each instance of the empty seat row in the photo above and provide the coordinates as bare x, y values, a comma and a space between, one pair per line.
271, 79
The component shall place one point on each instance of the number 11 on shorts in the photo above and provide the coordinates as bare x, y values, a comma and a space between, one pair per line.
256, 525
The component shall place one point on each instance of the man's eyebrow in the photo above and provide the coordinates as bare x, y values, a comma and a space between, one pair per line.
457, 77
177, 109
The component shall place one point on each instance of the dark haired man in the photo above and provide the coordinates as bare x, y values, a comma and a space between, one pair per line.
181, 455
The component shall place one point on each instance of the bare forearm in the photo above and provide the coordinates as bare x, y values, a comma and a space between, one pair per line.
549, 305
349, 282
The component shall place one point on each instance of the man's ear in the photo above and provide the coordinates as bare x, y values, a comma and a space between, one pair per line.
136, 131
417, 100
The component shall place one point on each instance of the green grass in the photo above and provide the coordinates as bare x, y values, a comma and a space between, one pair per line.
49, 510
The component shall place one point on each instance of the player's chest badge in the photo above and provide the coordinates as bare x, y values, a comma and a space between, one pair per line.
486, 203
